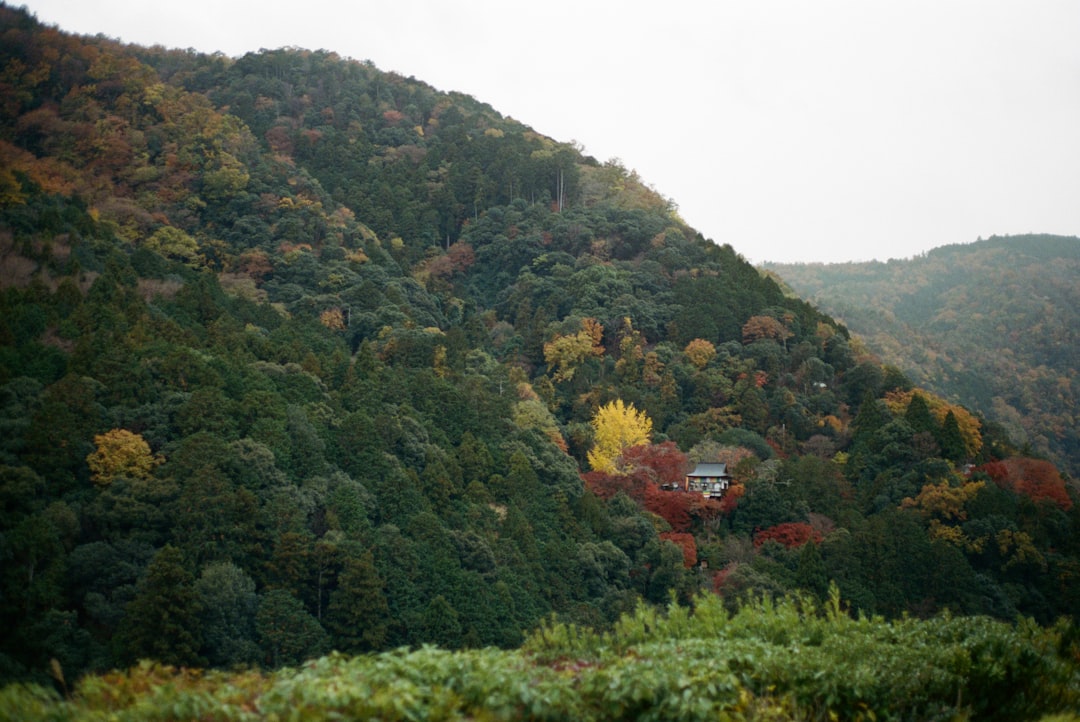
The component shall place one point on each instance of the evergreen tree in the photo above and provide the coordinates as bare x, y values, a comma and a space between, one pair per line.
442, 625
162, 621
358, 612
228, 602
950, 439
287, 633
811, 574
871, 417
919, 417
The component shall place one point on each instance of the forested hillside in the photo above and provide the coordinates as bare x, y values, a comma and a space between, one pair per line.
297, 355
993, 325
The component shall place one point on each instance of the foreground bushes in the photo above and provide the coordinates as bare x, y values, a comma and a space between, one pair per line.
768, 660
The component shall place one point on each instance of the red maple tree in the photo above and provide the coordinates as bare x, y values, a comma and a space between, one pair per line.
686, 543
1034, 478
791, 534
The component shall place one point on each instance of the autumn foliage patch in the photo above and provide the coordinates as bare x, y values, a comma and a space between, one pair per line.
647, 468
1034, 478
686, 543
790, 534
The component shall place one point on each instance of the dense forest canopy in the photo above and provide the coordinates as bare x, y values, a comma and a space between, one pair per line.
298, 355
993, 324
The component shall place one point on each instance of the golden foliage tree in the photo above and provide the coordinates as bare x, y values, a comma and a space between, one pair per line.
898, 402
333, 319
175, 244
652, 370
700, 352
120, 452
617, 426
943, 505
631, 351
567, 353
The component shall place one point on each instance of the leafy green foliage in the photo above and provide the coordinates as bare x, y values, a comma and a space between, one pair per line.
788, 659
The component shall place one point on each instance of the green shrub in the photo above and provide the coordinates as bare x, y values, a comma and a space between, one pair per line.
770, 660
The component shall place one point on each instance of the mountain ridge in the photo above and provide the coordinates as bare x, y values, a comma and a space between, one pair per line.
944, 317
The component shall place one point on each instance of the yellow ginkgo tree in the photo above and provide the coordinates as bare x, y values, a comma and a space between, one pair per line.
617, 426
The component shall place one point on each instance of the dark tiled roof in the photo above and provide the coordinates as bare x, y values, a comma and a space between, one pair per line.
709, 470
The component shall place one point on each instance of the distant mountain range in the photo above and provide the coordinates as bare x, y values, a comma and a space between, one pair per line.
994, 325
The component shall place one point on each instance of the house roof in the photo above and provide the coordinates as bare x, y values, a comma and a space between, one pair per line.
710, 470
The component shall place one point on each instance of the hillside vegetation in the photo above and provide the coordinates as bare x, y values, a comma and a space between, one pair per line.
297, 355
993, 325
768, 661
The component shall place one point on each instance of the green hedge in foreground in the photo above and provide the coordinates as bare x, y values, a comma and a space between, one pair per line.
767, 661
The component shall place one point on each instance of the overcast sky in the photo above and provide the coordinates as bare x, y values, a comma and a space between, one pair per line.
793, 130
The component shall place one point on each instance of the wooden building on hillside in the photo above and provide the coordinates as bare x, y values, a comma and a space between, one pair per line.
709, 480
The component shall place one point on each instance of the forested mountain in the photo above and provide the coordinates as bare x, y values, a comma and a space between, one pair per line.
300, 355
993, 325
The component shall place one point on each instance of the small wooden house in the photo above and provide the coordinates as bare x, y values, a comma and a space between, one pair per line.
709, 480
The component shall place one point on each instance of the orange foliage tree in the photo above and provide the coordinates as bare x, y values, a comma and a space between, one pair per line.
606, 484
759, 327
731, 497
255, 264
457, 259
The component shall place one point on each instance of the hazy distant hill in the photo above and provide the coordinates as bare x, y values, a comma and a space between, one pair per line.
994, 325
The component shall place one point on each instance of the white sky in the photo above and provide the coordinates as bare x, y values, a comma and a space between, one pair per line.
793, 130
